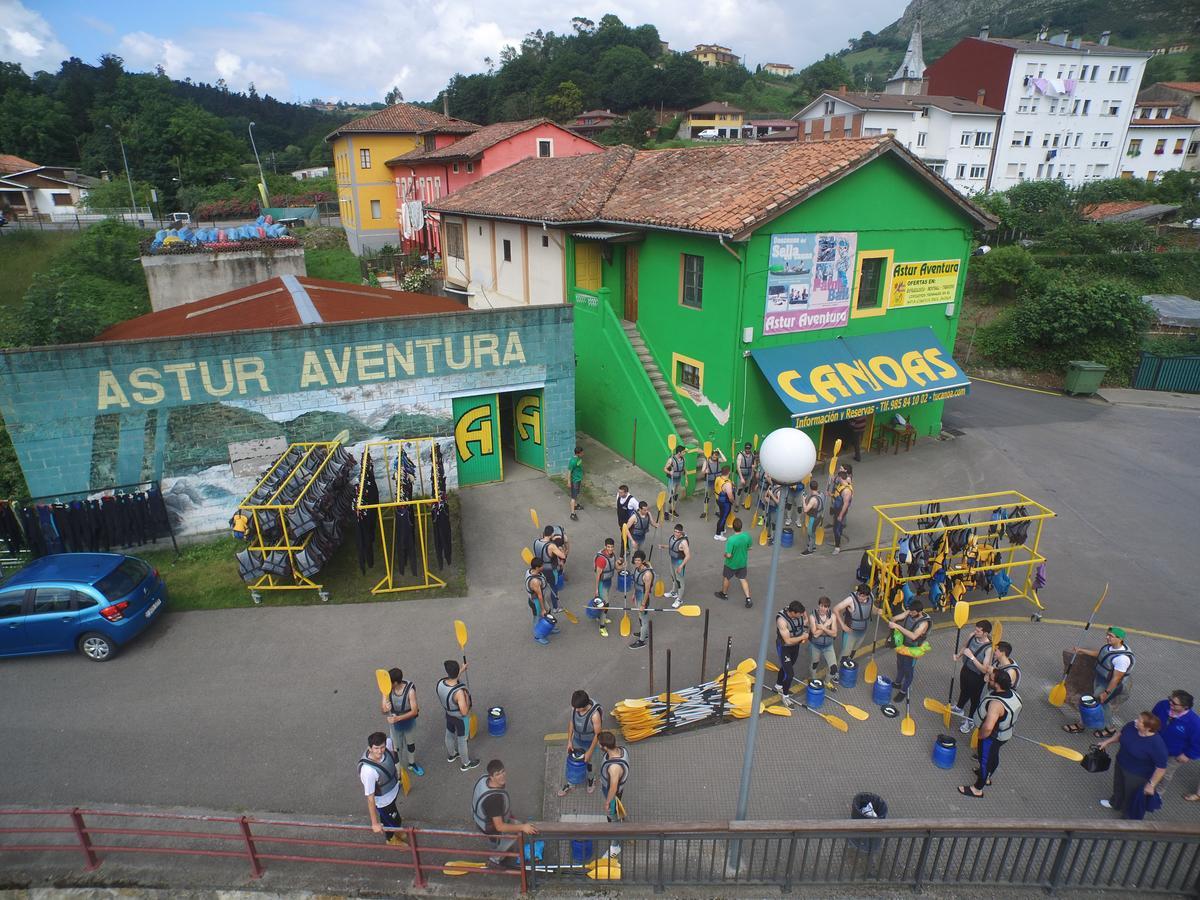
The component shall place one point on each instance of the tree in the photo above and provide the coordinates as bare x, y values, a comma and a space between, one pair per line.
114, 194
392, 97
1158, 68
582, 25
626, 76
827, 73
631, 130
565, 103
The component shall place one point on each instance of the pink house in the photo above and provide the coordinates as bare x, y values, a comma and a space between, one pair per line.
449, 162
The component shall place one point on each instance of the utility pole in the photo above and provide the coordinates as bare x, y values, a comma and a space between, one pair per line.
128, 177
262, 179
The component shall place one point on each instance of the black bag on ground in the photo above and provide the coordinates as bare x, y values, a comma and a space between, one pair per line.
1096, 760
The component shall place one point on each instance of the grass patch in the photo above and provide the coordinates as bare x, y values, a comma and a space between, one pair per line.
333, 264
25, 254
205, 574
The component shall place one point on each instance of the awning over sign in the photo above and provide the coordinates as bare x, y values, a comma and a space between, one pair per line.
827, 381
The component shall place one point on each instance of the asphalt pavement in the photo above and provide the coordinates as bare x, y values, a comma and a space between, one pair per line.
267, 709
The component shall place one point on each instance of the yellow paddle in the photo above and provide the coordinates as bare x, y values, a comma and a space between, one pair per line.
997, 632
620, 807
856, 712
762, 537
819, 533
837, 448
839, 724
1057, 749
534, 517
748, 665
527, 555
974, 738
383, 681
1058, 693
962, 612
672, 442
777, 709
908, 727
771, 667
460, 632
603, 869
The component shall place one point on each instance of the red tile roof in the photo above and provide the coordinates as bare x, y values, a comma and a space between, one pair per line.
1099, 211
598, 114
473, 145
724, 189
10, 164
1192, 87
1177, 121
279, 302
404, 118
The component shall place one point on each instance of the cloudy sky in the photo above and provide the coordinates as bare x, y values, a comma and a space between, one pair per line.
356, 50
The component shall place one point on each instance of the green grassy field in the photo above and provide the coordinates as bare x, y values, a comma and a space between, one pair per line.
23, 254
336, 264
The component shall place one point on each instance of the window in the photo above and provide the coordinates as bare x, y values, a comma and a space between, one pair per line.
1046, 139
1055, 141
1083, 73
1075, 108
938, 169
1053, 107
964, 139
52, 600
545, 240
1150, 176
364, 158
507, 250
10, 603
61, 199
454, 240
1111, 108
983, 139
688, 376
470, 168
1112, 73
1164, 112
1022, 138
1193, 148
961, 171
891, 131
1123, 73
1160, 146
455, 168
871, 132
924, 112
1023, 108
430, 142
1087, 105
921, 137
545, 147
1095, 72
1135, 147
830, 106
1179, 146
978, 171
692, 286
1101, 170
1010, 171
121, 581
870, 283
376, 212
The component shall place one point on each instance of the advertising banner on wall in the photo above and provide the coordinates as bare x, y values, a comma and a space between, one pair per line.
809, 281
924, 283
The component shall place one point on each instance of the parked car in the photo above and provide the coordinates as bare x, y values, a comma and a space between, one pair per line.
90, 602
708, 134
181, 218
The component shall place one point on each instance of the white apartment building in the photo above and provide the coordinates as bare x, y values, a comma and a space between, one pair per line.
1066, 102
1158, 142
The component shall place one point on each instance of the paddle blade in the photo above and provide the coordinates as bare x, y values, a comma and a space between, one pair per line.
383, 681
659, 590
604, 870
405, 781
819, 535
958, 590
625, 626
660, 501
1058, 694
620, 809
635, 703
946, 717
837, 447
840, 724
729, 519
672, 442
690, 611
1096, 608
746, 502
856, 712
762, 537
747, 665
771, 667
533, 516
708, 448
527, 555
461, 867
473, 722
871, 672
962, 612
776, 710
935, 706
460, 633
1064, 752
908, 727
997, 632
975, 739
571, 617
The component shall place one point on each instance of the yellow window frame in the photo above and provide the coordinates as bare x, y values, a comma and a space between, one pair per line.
885, 296
676, 359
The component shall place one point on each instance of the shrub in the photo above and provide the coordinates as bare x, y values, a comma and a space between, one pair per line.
1099, 237
1002, 273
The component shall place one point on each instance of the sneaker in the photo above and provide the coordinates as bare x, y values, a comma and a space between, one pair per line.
397, 840
749, 603
670, 594
966, 727
1107, 804
606, 621
469, 765
415, 769
603, 631
837, 550
704, 515
541, 641
676, 602
574, 517
900, 697
718, 537
452, 758
720, 595
578, 507
806, 553
637, 645
778, 688
789, 702
956, 710
771, 542
787, 522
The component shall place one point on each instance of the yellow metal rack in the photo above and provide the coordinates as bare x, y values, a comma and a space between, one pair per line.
982, 552
426, 492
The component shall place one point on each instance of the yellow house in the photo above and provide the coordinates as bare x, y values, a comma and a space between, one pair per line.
361, 148
717, 117
714, 55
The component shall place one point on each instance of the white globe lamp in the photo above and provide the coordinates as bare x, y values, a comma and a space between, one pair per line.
788, 455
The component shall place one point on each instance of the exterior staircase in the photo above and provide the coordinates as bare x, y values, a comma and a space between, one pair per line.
662, 387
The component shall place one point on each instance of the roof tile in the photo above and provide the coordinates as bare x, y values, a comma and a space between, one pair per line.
404, 118
473, 145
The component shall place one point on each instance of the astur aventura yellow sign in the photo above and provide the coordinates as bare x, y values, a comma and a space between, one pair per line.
924, 283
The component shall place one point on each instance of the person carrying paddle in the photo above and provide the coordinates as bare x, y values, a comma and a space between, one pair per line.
910, 632
550, 548
976, 656
708, 468
400, 708
747, 470
582, 733
1002, 661
638, 527
841, 496
996, 718
381, 783
614, 772
537, 595
791, 632
643, 590
769, 504
605, 564
812, 506
627, 505
575, 477
491, 810
823, 629
737, 556
456, 704
1114, 666
680, 552
674, 469
725, 500
854, 613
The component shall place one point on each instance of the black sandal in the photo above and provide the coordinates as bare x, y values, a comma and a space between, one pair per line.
1074, 728
1104, 733
968, 790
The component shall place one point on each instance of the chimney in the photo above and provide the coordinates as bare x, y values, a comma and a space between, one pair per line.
1060, 39
1104, 36
984, 32
1042, 32
980, 96
842, 90
1075, 43
446, 104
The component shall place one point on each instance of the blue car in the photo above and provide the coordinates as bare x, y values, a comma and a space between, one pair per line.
90, 602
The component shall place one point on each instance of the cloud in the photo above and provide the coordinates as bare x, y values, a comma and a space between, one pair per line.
28, 39
145, 51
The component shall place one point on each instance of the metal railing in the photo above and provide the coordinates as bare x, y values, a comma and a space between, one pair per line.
1148, 857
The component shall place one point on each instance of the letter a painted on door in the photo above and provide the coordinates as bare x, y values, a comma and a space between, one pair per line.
528, 443
477, 439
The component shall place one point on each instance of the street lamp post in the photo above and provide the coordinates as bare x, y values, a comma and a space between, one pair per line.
262, 179
128, 177
788, 456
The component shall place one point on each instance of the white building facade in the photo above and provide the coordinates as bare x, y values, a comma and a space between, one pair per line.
1158, 142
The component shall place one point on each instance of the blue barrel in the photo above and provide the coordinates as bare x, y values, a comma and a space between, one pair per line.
576, 768
881, 693
814, 694
542, 627
789, 537
945, 748
848, 674
1091, 712
581, 850
497, 723
558, 579
624, 582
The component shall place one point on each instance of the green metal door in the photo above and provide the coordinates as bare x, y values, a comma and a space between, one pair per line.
477, 439
528, 444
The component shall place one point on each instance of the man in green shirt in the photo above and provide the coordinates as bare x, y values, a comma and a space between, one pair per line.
575, 472
737, 552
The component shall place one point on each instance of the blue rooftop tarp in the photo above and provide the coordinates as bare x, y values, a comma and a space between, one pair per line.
827, 381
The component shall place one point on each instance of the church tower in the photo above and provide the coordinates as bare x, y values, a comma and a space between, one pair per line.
910, 77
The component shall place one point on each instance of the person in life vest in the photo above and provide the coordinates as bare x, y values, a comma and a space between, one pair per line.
910, 632
997, 718
239, 523
976, 656
643, 590
823, 631
725, 499
637, 528
627, 505
707, 470
455, 700
583, 731
606, 565
675, 469
746, 463
854, 612
401, 709
813, 506
680, 552
491, 811
840, 498
1002, 661
791, 633
537, 595
551, 548
614, 773
381, 784
1114, 666
769, 500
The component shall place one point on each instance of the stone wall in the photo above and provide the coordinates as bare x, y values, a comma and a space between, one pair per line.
175, 279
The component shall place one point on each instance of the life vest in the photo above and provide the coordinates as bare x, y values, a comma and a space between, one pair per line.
719, 484
402, 706
824, 640
674, 467
795, 628
1107, 656
621, 766
906, 646
1008, 719
582, 728
638, 527
815, 510
533, 598
386, 767
606, 565
745, 463
639, 583
479, 797
858, 615
1014, 673
673, 544
446, 693
977, 647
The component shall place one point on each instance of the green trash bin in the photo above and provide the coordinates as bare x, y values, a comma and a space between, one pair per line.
1084, 377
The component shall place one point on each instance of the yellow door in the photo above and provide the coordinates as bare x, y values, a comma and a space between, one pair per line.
587, 266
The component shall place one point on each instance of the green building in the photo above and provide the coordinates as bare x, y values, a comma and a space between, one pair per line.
722, 291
